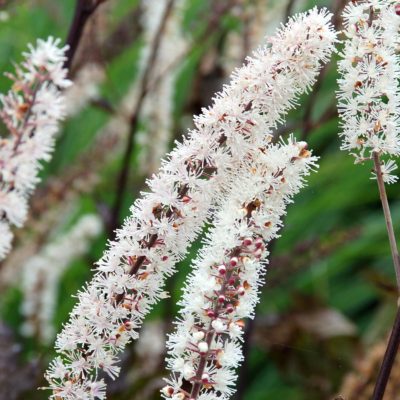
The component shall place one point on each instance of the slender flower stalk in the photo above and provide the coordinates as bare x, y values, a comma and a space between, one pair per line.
369, 104
388, 218
168, 218
205, 350
31, 111
41, 276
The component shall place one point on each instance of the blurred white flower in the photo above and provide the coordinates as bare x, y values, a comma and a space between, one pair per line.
4, 16
31, 112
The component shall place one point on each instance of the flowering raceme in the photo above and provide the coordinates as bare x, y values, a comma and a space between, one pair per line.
205, 350
167, 219
31, 111
369, 100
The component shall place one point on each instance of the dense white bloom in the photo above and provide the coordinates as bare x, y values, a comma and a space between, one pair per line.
167, 219
41, 275
31, 111
216, 299
369, 99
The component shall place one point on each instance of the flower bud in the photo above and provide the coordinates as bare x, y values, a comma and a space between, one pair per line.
233, 261
258, 243
205, 378
221, 298
247, 242
203, 347
222, 269
199, 335
229, 308
167, 391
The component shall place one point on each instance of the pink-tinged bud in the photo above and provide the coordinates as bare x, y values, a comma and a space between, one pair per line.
241, 290
168, 391
222, 269
233, 261
186, 199
128, 325
205, 378
247, 242
232, 280
211, 313
258, 243
203, 347
397, 9
229, 308
221, 298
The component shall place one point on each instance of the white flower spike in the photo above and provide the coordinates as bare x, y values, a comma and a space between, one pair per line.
131, 274
214, 303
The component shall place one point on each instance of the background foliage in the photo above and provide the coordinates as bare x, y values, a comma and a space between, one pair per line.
330, 292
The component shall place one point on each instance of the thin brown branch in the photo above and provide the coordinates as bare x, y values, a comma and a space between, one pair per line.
388, 217
388, 360
393, 345
289, 8
83, 10
124, 173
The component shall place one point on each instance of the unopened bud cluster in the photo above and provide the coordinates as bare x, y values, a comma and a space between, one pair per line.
205, 350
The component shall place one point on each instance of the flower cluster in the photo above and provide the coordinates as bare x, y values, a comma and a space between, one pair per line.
223, 289
42, 272
369, 98
167, 219
30, 111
